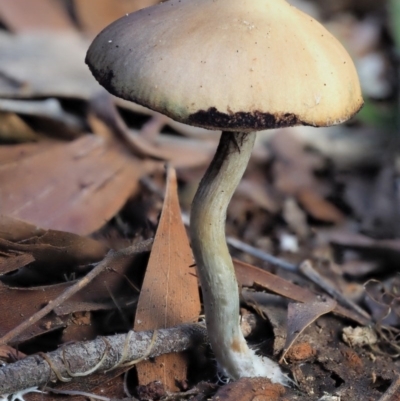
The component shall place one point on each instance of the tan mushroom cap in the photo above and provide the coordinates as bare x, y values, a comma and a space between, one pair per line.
235, 65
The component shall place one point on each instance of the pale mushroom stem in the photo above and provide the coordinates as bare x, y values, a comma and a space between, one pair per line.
214, 263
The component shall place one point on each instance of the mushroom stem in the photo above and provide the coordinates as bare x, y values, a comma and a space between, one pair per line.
214, 263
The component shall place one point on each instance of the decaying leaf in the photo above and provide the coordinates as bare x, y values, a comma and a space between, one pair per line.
169, 294
300, 316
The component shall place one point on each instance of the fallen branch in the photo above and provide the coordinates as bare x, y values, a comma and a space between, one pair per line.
81, 357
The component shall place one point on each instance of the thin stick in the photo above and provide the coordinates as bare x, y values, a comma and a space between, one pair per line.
143, 246
308, 270
393, 391
258, 253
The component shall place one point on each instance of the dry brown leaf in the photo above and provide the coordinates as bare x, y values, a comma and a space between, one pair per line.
9, 354
147, 142
14, 129
35, 15
301, 315
33, 65
15, 153
169, 294
318, 207
94, 15
27, 301
274, 308
46, 117
51, 253
13, 261
75, 187
250, 276
106, 120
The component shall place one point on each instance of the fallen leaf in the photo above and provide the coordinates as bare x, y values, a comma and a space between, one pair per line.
318, 207
169, 294
274, 308
32, 65
75, 187
13, 261
300, 316
50, 253
27, 301
9, 354
14, 129
251, 276
15, 153
35, 15
147, 142
46, 117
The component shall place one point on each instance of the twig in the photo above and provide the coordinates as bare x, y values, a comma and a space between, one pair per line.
393, 392
81, 393
105, 109
34, 371
307, 269
242, 246
258, 253
143, 246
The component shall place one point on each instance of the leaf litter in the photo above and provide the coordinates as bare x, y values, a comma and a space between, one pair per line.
169, 294
82, 173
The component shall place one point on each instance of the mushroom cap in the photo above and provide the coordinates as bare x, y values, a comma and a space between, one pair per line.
234, 65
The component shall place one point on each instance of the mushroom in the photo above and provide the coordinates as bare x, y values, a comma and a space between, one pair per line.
239, 66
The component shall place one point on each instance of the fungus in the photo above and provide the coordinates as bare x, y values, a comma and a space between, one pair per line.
239, 66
